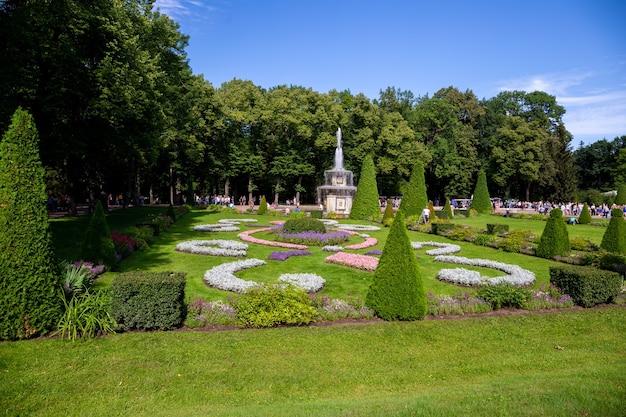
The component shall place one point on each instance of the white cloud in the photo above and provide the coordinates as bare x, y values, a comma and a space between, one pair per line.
184, 8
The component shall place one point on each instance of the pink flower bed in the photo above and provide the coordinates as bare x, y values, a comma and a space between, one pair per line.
367, 263
369, 242
245, 236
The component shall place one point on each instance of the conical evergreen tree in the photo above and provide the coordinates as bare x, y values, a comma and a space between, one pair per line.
388, 215
29, 273
262, 206
447, 208
620, 198
397, 291
98, 246
481, 201
555, 238
415, 198
365, 204
585, 216
614, 239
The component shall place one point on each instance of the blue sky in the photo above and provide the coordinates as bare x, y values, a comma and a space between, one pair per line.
572, 49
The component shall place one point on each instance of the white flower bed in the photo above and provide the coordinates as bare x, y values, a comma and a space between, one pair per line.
223, 276
237, 221
329, 222
225, 227
443, 248
332, 248
517, 276
308, 282
213, 247
358, 227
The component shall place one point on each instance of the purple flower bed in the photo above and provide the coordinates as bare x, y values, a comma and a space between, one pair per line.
282, 256
314, 238
374, 252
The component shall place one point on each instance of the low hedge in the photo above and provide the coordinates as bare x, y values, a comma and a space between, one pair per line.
148, 300
495, 229
587, 286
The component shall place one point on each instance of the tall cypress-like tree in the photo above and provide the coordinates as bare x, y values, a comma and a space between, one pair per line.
415, 199
614, 239
29, 274
555, 238
447, 208
365, 204
397, 291
481, 201
98, 246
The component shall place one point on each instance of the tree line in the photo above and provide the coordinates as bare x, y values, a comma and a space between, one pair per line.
119, 110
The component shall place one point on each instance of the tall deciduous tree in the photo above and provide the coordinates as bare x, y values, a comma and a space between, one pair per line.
29, 275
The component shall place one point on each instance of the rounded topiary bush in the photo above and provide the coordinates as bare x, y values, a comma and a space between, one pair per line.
304, 224
555, 238
585, 216
614, 239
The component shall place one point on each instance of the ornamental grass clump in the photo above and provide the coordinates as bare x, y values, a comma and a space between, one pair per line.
397, 291
555, 238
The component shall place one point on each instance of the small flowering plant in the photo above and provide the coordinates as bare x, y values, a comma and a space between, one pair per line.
549, 296
462, 303
124, 244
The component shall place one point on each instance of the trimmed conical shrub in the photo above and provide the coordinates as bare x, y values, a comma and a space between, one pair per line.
98, 246
365, 204
447, 208
481, 201
30, 304
614, 239
431, 210
262, 206
397, 290
620, 198
585, 215
415, 199
388, 215
555, 238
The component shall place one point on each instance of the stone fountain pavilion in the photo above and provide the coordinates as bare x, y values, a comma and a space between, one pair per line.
338, 190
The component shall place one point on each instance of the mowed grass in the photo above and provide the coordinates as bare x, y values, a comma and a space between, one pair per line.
569, 363
561, 364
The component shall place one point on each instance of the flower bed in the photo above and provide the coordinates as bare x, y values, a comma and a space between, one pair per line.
313, 238
308, 282
245, 236
364, 262
517, 276
443, 248
213, 247
220, 227
283, 256
369, 242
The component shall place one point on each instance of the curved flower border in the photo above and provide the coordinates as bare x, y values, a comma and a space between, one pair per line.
223, 277
357, 227
443, 248
220, 227
213, 247
517, 276
245, 236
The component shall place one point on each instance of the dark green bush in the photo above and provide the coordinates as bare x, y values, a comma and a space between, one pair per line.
481, 201
586, 285
397, 291
262, 206
442, 228
98, 246
317, 214
496, 229
504, 294
447, 208
389, 214
267, 306
585, 215
555, 238
303, 224
148, 300
614, 239
29, 273
415, 199
365, 204
484, 239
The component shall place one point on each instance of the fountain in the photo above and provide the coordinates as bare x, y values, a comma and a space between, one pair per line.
338, 190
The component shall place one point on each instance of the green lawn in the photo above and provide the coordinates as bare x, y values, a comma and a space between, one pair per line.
559, 364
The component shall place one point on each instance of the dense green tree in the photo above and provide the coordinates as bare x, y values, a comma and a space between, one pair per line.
366, 204
98, 246
397, 291
614, 239
555, 238
29, 276
415, 199
585, 215
620, 198
481, 201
